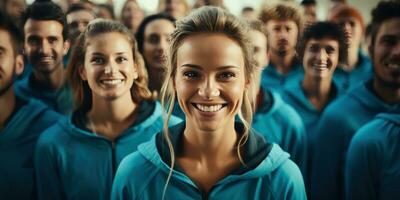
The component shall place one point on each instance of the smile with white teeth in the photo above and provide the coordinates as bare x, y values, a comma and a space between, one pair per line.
393, 66
209, 108
320, 66
112, 82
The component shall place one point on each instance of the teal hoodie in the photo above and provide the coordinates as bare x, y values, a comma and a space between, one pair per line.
373, 161
17, 144
274, 80
61, 100
338, 124
361, 73
71, 162
279, 123
270, 174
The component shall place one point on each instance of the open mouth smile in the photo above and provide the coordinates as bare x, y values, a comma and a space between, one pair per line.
209, 108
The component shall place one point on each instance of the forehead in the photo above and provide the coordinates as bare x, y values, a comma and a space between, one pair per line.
42, 28
390, 27
211, 50
108, 43
161, 26
80, 15
325, 41
275, 22
5, 39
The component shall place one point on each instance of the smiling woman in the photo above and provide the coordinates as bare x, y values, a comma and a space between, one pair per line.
114, 113
210, 155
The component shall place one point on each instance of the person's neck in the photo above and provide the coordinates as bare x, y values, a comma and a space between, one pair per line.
209, 146
7, 102
51, 81
111, 118
387, 94
283, 63
317, 91
352, 60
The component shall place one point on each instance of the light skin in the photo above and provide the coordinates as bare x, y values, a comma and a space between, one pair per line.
45, 48
320, 61
110, 71
310, 12
175, 8
155, 49
259, 42
14, 8
210, 93
282, 36
353, 33
10, 66
132, 15
77, 22
385, 54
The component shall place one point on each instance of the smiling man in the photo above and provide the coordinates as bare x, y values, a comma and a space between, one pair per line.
344, 117
45, 44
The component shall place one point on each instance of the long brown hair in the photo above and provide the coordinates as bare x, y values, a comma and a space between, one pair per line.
81, 91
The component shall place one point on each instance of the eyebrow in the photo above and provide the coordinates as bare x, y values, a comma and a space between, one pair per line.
100, 54
219, 67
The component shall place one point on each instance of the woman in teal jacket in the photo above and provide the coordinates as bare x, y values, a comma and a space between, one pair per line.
115, 112
209, 156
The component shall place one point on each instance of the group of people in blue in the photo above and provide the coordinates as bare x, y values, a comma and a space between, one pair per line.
199, 105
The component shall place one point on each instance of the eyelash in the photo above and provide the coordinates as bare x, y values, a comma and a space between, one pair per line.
221, 76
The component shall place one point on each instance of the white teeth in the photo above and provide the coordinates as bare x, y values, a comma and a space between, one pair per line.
206, 108
320, 66
393, 66
112, 82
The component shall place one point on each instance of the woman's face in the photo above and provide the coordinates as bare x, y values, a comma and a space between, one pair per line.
156, 43
132, 15
210, 80
109, 66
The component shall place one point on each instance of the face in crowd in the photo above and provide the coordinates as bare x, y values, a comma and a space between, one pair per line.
282, 36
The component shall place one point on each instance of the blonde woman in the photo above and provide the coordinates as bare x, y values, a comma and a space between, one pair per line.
209, 156
114, 112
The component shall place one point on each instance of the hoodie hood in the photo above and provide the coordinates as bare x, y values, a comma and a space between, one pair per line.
272, 159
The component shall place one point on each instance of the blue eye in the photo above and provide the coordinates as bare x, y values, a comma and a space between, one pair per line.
97, 60
190, 74
226, 75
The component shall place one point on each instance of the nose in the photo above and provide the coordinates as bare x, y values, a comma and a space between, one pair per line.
110, 68
322, 56
208, 89
163, 45
45, 47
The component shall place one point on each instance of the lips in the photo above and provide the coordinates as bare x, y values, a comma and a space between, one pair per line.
111, 82
320, 66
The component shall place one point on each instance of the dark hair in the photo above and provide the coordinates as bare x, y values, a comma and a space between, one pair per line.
79, 7
308, 2
45, 10
384, 11
320, 30
140, 32
15, 33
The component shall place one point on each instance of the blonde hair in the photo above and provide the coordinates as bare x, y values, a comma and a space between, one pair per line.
209, 19
282, 11
81, 91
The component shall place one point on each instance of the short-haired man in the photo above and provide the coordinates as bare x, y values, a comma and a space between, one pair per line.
21, 121
345, 116
373, 162
45, 44
78, 17
276, 121
283, 23
357, 68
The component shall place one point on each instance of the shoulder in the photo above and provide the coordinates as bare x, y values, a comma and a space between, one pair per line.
55, 135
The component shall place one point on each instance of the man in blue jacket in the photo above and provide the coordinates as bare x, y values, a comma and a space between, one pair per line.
45, 36
21, 121
345, 116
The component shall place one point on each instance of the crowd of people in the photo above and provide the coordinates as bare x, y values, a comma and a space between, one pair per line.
193, 102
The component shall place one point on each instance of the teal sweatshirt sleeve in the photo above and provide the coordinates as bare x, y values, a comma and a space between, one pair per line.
363, 163
48, 183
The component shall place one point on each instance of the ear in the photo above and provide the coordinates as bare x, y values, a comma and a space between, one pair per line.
82, 72
135, 72
67, 45
371, 50
19, 64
